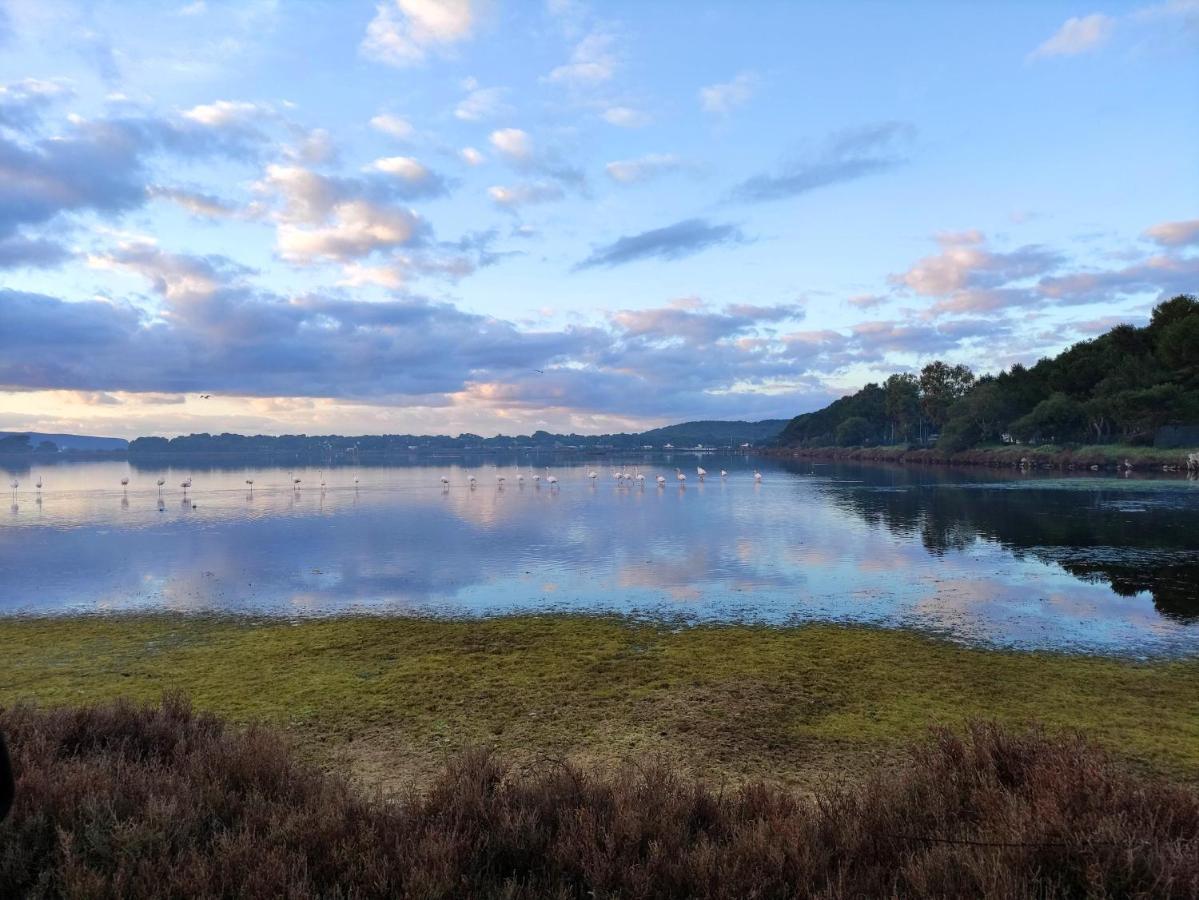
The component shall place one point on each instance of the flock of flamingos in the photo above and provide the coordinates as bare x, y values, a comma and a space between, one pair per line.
621, 476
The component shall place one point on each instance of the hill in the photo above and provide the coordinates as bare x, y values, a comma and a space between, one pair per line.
78, 442
1132, 386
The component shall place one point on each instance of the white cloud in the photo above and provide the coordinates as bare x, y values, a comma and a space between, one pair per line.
1175, 234
471, 156
222, 113
480, 104
625, 117
524, 194
1078, 34
393, 125
727, 96
513, 143
628, 171
591, 62
404, 31
402, 167
358, 228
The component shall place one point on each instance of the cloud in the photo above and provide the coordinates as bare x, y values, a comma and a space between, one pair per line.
671, 242
471, 156
512, 143
481, 104
201, 205
724, 98
356, 228
629, 171
965, 263
625, 117
845, 156
23, 102
592, 62
526, 193
392, 125
403, 32
1079, 34
1175, 234
18, 252
404, 167
1162, 274
228, 113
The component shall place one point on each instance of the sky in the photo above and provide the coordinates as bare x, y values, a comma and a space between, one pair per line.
436, 216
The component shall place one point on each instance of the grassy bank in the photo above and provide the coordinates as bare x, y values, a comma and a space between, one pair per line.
1076, 457
387, 698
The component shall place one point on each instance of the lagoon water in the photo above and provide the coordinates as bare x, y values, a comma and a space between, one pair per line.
1094, 563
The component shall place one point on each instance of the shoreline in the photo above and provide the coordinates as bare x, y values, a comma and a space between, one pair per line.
1082, 458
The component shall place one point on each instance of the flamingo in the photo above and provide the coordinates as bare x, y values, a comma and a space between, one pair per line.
185, 485
160, 482
355, 481
701, 472
593, 475
520, 479
724, 474
445, 481
39, 484
679, 476
125, 483
661, 479
471, 479
322, 475
295, 484
250, 482
551, 480
14, 484
757, 476
640, 480
499, 480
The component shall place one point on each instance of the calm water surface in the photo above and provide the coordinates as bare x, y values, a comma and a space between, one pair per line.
1095, 563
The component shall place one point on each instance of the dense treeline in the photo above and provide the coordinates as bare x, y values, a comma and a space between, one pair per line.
686, 434
1119, 387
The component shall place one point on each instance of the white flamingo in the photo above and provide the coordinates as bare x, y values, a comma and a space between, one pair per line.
160, 482
679, 476
701, 472
593, 475
295, 484
640, 480
39, 484
724, 474
499, 480
471, 479
445, 481
520, 479
186, 484
14, 484
757, 476
125, 483
661, 479
250, 482
551, 480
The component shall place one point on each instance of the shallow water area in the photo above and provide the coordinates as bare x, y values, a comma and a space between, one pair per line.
996, 558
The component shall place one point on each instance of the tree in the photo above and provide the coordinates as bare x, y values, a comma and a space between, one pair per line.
853, 432
1058, 418
940, 385
902, 403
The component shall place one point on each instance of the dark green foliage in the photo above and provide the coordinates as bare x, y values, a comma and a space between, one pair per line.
127, 802
1121, 386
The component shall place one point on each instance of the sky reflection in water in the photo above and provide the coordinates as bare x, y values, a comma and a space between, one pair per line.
996, 558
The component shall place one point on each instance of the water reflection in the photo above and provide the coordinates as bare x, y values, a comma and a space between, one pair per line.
1104, 564
1133, 535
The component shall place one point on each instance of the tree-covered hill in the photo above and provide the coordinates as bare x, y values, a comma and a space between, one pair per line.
1122, 386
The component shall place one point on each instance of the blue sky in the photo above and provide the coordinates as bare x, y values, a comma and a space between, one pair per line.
443, 216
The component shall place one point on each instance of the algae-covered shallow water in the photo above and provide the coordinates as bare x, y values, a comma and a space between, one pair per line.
1092, 563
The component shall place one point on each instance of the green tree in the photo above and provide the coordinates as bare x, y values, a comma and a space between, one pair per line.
853, 432
902, 404
1057, 418
940, 386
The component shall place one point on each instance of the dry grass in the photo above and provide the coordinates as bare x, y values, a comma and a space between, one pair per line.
119, 801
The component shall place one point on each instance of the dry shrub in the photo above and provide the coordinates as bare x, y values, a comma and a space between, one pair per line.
119, 801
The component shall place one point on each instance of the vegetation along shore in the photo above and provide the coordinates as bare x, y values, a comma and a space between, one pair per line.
570, 756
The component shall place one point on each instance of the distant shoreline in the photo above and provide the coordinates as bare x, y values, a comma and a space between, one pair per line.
1067, 458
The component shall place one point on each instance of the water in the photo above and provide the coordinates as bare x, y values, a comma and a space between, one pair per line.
1103, 564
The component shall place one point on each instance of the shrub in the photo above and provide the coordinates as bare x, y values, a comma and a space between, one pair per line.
121, 801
